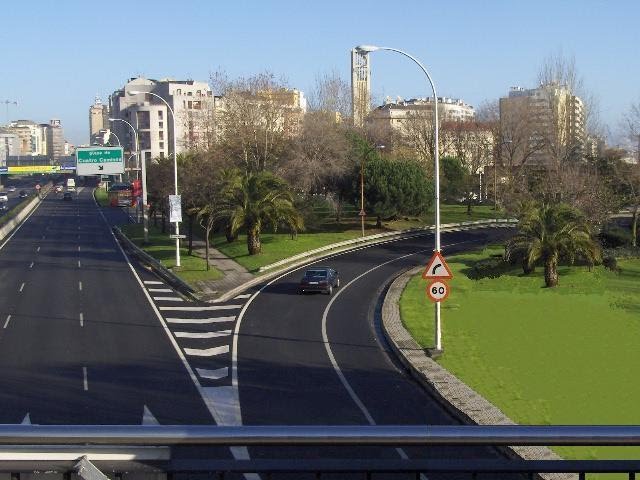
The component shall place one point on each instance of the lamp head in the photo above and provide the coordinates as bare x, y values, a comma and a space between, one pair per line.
366, 48
113, 119
134, 92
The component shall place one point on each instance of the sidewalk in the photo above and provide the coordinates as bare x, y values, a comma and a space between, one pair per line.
234, 273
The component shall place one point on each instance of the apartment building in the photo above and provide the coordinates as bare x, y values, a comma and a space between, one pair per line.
191, 102
545, 123
395, 116
55, 141
9, 145
98, 119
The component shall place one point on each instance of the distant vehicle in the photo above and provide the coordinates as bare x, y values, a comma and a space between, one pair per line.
3, 207
71, 185
59, 188
23, 194
67, 196
11, 189
120, 195
319, 279
4, 197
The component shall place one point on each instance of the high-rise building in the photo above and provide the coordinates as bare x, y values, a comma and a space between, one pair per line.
55, 141
9, 145
545, 123
98, 119
360, 87
190, 101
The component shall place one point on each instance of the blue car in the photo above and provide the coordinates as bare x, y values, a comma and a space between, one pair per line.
319, 279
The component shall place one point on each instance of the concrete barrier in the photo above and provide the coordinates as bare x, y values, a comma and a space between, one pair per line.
16, 221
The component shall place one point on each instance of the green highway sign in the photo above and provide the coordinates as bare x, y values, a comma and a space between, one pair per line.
99, 161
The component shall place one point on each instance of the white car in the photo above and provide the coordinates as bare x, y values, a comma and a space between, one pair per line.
4, 197
11, 189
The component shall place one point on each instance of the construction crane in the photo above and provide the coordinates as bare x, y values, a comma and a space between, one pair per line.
6, 104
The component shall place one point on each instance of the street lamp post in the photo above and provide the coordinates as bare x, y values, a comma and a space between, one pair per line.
365, 49
175, 164
142, 168
495, 175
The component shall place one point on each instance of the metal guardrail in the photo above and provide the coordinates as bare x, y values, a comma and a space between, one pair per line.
155, 265
89, 440
379, 237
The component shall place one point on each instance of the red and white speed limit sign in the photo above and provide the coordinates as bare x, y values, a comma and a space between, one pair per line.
438, 291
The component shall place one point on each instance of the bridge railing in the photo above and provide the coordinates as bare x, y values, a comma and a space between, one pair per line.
118, 451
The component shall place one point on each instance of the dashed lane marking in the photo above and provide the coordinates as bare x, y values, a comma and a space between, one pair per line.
200, 321
213, 374
244, 295
202, 309
38, 249
7, 321
81, 319
152, 282
160, 290
22, 287
222, 333
80, 286
85, 381
31, 266
207, 352
79, 264
169, 299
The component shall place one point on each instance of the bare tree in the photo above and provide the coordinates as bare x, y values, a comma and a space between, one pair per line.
331, 93
258, 116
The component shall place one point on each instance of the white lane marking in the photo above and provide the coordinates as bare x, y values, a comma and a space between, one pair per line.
160, 290
222, 402
81, 319
78, 247
152, 282
200, 321
244, 295
207, 352
80, 286
169, 299
22, 287
7, 322
221, 333
79, 264
148, 418
26, 420
85, 381
44, 236
31, 266
203, 309
38, 249
216, 374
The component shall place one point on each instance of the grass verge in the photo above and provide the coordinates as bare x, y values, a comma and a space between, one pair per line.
567, 355
278, 246
101, 197
163, 248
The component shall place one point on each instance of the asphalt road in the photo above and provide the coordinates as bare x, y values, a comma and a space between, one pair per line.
314, 359
79, 341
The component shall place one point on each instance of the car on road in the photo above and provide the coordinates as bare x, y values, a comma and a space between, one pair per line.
4, 197
11, 189
23, 194
59, 188
67, 196
319, 279
3, 207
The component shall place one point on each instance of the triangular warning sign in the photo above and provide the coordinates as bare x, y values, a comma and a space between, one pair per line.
437, 268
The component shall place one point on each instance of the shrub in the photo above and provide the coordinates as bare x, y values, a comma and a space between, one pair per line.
492, 267
610, 263
613, 236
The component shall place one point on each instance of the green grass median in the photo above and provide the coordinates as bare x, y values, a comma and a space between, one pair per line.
568, 355
163, 248
102, 197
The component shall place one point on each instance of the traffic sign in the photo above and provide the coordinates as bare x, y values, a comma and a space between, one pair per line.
37, 186
437, 268
438, 291
99, 160
177, 236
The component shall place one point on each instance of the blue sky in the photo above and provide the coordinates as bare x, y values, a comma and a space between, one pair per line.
57, 55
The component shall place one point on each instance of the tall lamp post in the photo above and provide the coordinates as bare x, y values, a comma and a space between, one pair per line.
175, 163
142, 166
366, 49
495, 176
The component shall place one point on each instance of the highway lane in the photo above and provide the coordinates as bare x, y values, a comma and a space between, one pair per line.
79, 340
315, 359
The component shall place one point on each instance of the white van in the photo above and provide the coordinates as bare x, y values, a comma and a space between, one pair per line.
71, 185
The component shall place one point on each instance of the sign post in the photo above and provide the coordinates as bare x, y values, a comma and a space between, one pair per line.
436, 272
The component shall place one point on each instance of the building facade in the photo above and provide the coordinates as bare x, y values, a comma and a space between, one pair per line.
395, 116
191, 102
9, 145
55, 141
546, 123
360, 87
98, 120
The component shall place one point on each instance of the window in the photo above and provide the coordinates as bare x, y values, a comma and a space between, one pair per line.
161, 154
160, 124
160, 113
161, 135
161, 145
189, 104
179, 91
197, 105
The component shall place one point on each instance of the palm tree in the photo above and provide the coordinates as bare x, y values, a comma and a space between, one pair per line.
550, 233
251, 200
